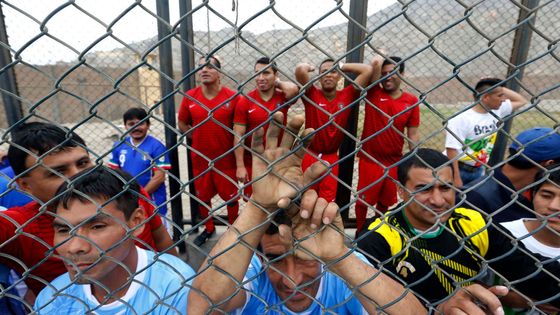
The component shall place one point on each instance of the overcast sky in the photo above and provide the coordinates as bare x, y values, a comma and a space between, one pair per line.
72, 27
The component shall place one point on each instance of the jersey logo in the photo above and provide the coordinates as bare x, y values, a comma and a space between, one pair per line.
162, 159
404, 268
340, 106
192, 105
383, 99
322, 105
226, 105
252, 110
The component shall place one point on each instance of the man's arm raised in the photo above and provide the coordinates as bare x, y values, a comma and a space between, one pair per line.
288, 88
362, 71
376, 65
302, 72
517, 100
279, 176
372, 288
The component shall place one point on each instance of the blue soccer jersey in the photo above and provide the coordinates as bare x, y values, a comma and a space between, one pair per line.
11, 197
161, 288
333, 296
150, 155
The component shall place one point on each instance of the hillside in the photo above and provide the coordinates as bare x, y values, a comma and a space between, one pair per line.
437, 35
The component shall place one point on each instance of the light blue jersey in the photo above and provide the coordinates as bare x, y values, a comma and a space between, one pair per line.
162, 288
333, 296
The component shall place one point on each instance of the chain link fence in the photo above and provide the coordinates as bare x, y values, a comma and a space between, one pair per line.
81, 65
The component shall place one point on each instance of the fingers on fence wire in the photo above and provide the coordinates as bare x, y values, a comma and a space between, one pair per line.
318, 210
286, 236
314, 172
257, 144
308, 203
475, 299
304, 142
292, 130
274, 131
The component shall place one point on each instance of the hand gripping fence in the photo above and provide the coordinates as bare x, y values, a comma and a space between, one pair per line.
78, 66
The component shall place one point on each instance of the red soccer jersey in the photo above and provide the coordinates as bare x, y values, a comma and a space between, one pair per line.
31, 246
212, 123
381, 110
319, 112
252, 111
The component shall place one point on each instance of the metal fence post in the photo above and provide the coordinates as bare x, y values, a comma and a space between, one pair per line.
358, 12
8, 83
167, 92
187, 64
519, 53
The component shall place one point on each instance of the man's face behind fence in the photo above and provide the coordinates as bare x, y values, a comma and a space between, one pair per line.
393, 82
546, 202
209, 73
329, 81
493, 99
288, 273
137, 131
43, 181
432, 197
266, 79
99, 247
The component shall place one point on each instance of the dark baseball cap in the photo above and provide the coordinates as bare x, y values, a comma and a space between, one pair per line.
538, 144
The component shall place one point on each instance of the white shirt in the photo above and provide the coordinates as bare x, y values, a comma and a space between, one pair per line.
473, 134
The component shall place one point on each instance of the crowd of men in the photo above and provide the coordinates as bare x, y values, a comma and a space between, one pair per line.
448, 235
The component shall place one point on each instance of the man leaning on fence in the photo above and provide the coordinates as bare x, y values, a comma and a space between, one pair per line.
97, 216
43, 156
471, 134
206, 115
301, 266
437, 248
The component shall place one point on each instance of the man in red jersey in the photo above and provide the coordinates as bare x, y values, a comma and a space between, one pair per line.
327, 110
389, 111
252, 111
206, 114
44, 156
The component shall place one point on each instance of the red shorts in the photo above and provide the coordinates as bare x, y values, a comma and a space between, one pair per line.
374, 186
326, 188
215, 181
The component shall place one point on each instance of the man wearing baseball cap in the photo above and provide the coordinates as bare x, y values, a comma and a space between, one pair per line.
504, 194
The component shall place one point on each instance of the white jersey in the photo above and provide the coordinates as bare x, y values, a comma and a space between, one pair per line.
473, 134
519, 230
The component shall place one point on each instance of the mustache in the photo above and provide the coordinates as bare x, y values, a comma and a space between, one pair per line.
76, 259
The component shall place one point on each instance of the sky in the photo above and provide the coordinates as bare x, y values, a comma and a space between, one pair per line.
47, 31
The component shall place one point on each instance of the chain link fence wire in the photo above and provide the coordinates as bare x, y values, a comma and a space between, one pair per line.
83, 64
